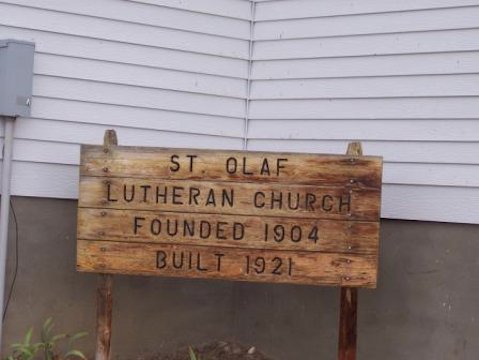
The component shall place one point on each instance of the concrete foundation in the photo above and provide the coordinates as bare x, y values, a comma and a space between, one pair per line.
426, 305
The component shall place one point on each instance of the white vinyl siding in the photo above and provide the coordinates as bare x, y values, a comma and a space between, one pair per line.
162, 73
400, 76
302, 9
449, 63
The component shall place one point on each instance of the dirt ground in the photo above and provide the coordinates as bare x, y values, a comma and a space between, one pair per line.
219, 350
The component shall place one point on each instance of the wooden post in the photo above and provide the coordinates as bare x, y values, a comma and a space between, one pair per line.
348, 323
105, 288
349, 301
103, 316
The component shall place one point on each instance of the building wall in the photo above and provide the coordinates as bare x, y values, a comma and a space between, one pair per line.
402, 76
162, 73
425, 306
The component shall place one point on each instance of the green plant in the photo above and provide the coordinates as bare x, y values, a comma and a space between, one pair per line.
47, 347
192, 354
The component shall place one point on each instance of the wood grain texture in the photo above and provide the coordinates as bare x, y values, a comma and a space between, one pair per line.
247, 216
202, 262
248, 198
104, 299
348, 301
348, 324
273, 233
104, 309
156, 163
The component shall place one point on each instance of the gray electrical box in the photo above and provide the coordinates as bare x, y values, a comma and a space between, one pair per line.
16, 73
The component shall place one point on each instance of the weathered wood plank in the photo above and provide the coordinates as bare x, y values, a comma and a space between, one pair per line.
227, 263
348, 309
104, 308
273, 233
193, 164
306, 201
317, 213
104, 302
348, 323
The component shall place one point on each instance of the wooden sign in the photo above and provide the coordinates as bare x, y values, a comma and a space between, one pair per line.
254, 216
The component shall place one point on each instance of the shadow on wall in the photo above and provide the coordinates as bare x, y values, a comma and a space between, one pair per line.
424, 308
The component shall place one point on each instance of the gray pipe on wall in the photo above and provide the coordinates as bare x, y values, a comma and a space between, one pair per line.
5, 206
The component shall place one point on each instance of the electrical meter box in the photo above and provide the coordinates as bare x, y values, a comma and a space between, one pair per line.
16, 73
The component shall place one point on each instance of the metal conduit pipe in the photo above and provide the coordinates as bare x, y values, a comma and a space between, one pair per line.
5, 206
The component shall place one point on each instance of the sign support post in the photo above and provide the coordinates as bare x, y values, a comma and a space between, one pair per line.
349, 300
105, 287
348, 324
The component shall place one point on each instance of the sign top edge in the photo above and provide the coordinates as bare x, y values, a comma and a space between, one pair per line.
153, 149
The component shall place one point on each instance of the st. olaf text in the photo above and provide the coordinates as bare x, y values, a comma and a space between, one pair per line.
232, 165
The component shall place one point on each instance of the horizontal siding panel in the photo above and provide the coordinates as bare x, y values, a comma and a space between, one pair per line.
409, 86
437, 19
392, 151
230, 8
74, 46
90, 91
76, 133
145, 14
37, 151
48, 152
431, 174
142, 118
297, 9
45, 180
117, 73
130, 33
431, 203
405, 43
385, 65
392, 108
380, 129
